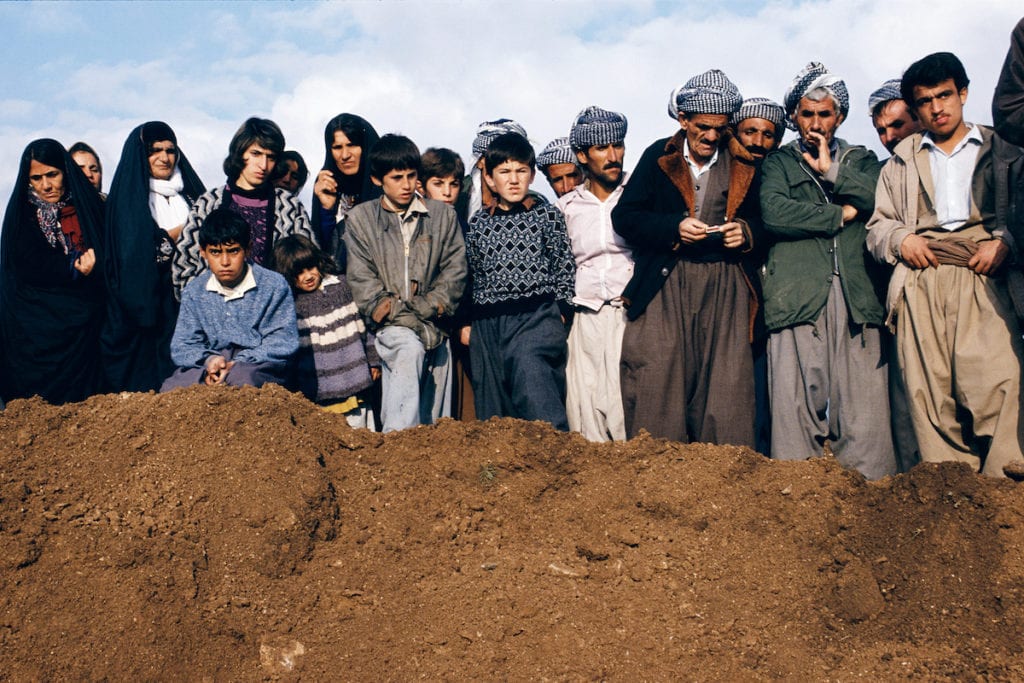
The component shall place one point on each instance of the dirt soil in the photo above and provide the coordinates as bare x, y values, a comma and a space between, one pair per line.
218, 534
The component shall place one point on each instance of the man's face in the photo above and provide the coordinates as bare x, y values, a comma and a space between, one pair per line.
398, 185
510, 180
444, 189
814, 119
940, 108
604, 163
226, 262
894, 123
47, 181
757, 135
163, 155
258, 165
704, 132
345, 154
290, 180
563, 177
90, 166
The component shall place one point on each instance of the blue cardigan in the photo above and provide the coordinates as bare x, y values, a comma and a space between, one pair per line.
260, 326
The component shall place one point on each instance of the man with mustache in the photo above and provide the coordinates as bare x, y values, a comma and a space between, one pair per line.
890, 116
759, 124
558, 164
827, 364
604, 264
687, 366
940, 219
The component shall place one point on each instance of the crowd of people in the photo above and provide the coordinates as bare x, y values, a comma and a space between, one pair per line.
732, 289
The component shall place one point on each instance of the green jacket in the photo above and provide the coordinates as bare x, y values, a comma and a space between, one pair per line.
803, 213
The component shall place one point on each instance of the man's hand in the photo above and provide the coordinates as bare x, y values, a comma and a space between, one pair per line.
217, 369
326, 190
823, 161
916, 253
86, 262
733, 236
382, 311
990, 256
849, 213
464, 333
374, 373
692, 230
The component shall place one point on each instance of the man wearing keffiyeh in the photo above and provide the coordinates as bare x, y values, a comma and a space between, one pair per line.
827, 366
687, 368
890, 116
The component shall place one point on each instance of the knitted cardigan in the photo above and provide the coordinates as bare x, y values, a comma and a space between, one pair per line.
335, 350
290, 219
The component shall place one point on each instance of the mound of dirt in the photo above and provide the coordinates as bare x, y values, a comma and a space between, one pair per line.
241, 534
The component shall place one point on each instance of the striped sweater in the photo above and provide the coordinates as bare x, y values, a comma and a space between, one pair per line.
335, 349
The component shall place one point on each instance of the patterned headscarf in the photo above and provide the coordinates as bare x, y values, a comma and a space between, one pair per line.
596, 126
556, 152
488, 130
708, 93
890, 90
811, 77
760, 108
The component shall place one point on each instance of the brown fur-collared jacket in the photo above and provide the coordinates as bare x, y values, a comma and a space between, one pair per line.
661, 193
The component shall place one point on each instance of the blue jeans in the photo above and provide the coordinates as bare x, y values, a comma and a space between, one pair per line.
415, 382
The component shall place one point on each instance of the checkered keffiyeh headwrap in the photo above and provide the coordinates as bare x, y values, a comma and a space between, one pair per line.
596, 126
811, 77
708, 93
488, 130
890, 90
760, 108
556, 152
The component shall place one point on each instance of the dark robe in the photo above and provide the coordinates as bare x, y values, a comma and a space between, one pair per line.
141, 307
50, 314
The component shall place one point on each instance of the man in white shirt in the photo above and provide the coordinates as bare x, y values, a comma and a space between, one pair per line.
604, 264
940, 219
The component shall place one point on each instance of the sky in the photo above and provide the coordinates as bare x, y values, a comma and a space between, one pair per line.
433, 69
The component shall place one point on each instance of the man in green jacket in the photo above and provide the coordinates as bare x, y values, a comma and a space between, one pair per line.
827, 367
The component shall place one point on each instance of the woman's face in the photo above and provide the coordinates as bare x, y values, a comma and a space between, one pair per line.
162, 157
90, 166
346, 155
47, 181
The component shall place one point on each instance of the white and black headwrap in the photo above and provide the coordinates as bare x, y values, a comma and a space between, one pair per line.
812, 77
596, 126
556, 152
488, 130
890, 90
708, 93
760, 108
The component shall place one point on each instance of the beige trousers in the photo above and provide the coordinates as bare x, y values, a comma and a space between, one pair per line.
959, 348
593, 399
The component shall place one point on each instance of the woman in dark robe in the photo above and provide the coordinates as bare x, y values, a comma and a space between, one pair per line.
51, 287
344, 180
153, 188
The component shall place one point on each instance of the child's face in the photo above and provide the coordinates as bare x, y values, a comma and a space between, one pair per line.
510, 180
399, 186
308, 280
443, 189
226, 262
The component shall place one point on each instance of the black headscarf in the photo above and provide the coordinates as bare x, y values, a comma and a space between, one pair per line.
359, 131
48, 333
130, 233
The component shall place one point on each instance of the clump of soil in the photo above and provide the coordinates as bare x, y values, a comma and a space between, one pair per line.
241, 534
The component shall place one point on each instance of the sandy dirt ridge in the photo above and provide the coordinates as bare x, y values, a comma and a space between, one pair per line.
242, 535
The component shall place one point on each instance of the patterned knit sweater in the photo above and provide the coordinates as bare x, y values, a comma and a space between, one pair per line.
519, 259
335, 350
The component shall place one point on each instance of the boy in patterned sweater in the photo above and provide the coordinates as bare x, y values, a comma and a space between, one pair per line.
523, 274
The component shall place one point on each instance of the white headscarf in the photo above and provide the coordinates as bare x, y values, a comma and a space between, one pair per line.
168, 206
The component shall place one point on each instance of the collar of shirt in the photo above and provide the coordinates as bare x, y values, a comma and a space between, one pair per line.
231, 293
698, 170
973, 135
327, 280
416, 207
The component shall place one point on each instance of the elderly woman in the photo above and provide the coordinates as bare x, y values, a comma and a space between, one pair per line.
344, 180
153, 188
51, 293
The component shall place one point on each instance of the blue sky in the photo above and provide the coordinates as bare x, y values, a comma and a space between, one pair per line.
434, 70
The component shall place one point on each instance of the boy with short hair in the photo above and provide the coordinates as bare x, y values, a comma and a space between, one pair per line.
237, 323
523, 275
407, 270
441, 172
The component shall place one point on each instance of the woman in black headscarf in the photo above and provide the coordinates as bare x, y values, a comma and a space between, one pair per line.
344, 180
51, 288
153, 188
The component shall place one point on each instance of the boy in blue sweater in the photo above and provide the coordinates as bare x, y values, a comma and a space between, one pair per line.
237, 323
523, 274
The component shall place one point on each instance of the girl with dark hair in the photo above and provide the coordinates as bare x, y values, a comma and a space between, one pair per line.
344, 180
51, 292
153, 188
